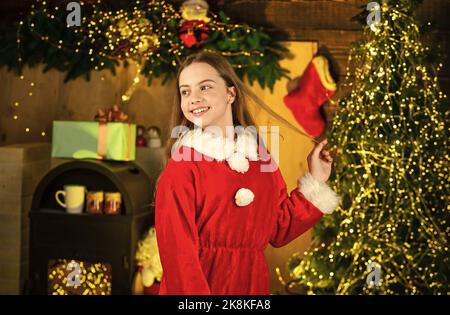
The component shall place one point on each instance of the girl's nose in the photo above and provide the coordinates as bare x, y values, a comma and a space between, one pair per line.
195, 96
195, 100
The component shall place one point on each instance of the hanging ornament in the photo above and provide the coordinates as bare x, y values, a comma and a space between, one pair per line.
194, 24
124, 29
195, 10
193, 33
148, 43
132, 37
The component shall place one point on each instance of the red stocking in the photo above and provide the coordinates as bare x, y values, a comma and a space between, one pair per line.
315, 87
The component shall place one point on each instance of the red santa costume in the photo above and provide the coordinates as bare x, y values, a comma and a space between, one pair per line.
216, 212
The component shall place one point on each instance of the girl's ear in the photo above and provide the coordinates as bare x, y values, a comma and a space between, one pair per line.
231, 93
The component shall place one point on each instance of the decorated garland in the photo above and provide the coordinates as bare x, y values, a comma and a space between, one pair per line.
151, 33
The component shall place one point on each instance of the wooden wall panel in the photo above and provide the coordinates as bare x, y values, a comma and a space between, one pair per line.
76, 100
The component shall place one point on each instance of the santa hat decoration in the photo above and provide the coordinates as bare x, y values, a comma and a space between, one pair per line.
315, 86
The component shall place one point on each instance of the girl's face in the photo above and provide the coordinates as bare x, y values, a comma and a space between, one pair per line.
205, 98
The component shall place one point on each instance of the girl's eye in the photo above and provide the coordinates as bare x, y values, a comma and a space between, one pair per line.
205, 87
184, 93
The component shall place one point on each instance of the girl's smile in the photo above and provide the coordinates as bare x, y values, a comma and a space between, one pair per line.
199, 110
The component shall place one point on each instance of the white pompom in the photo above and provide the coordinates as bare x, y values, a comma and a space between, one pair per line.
238, 162
244, 197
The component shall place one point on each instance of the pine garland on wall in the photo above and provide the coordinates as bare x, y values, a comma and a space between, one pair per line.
150, 33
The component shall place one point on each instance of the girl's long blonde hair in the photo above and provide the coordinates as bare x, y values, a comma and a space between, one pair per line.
240, 112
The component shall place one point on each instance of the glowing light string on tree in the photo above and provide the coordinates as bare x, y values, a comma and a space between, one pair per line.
391, 140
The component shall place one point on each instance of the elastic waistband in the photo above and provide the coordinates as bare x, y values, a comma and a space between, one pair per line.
230, 248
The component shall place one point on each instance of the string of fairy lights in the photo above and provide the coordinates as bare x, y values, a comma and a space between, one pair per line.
128, 27
144, 34
139, 31
30, 86
86, 279
391, 139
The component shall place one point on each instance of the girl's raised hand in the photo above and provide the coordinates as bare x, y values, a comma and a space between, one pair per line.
319, 162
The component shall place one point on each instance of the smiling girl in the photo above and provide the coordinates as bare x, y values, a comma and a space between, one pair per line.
216, 209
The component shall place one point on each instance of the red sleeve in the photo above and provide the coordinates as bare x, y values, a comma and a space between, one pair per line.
295, 214
176, 231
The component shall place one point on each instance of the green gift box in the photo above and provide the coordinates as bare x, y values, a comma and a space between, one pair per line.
94, 140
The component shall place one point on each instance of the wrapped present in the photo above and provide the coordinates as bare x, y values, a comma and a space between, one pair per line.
108, 138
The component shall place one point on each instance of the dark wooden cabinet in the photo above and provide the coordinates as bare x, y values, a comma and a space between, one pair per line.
96, 238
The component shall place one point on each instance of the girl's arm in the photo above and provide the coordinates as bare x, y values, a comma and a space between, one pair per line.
299, 212
176, 231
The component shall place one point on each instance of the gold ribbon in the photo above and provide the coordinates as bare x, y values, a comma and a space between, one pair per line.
102, 141
129, 142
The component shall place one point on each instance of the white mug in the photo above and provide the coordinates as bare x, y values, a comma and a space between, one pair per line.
73, 197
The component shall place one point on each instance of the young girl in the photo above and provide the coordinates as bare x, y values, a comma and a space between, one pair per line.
216, 209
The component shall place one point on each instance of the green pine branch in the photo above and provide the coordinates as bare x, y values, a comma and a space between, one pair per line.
50, 42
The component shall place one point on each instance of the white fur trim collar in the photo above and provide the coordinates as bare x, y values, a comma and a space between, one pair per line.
237, 153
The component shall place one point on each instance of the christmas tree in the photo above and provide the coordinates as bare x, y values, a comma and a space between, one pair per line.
389, 235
